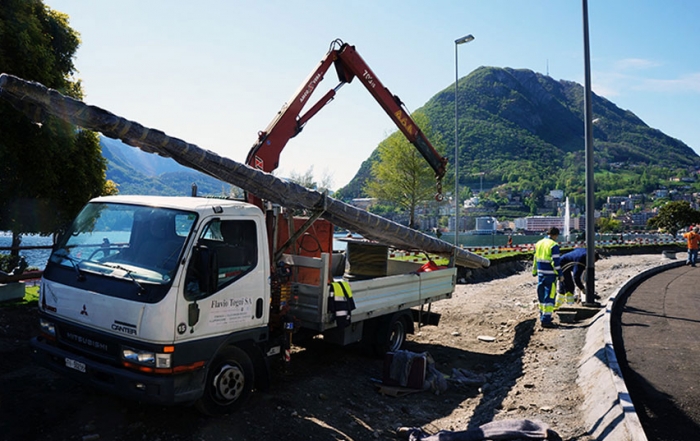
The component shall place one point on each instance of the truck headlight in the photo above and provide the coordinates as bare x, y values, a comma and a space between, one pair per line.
146, 358
47, 327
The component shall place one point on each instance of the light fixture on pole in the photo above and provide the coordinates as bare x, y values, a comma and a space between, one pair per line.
465, 39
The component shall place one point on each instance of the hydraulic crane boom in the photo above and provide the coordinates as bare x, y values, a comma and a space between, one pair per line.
264, 155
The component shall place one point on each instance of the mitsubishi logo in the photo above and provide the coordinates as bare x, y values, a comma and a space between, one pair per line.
84, 311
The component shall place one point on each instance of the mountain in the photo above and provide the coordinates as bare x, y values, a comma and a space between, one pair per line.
138, 172
525, 130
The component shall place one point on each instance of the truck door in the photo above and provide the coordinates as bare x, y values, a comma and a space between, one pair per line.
237, 299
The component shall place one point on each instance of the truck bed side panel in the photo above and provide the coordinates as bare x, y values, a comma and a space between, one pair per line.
374, 297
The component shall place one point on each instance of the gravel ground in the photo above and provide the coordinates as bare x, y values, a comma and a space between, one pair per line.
488, 331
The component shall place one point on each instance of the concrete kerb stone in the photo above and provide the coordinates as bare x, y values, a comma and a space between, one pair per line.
608, 412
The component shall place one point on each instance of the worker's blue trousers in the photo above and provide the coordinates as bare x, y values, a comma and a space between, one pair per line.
546, 291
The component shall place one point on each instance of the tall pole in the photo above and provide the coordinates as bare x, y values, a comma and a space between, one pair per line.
590, 191
465, 39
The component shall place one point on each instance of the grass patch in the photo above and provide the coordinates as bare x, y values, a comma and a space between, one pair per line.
444, 261
31, 295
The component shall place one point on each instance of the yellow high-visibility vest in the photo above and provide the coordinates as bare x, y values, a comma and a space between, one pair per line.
546, 259
341, 303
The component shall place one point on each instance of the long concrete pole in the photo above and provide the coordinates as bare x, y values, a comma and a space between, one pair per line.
37, 101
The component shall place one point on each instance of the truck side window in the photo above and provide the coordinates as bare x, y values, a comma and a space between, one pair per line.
236, 246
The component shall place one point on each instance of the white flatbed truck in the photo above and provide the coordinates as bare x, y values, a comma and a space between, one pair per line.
168, 300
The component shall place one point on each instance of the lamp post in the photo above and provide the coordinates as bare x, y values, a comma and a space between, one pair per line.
465, 39
590, 177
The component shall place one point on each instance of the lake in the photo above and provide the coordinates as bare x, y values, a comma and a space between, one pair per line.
35, 258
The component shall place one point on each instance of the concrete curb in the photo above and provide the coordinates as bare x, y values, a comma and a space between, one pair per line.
608, 412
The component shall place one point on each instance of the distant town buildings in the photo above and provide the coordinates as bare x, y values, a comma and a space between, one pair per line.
544, 223
636, 221
557, 194
486, 225
364, 203
480, 214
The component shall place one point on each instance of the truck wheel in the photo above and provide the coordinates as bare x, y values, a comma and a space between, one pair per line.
397, 335
230, 380
392, 334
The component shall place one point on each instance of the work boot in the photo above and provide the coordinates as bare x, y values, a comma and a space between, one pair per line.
407, 432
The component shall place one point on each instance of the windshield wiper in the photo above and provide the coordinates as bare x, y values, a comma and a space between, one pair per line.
75, 263
129, 275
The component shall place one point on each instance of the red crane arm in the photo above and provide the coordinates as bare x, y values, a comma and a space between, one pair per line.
350, 63
265, 153
289, 121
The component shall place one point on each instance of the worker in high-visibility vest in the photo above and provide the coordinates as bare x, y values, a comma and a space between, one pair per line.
573, 268
547, 269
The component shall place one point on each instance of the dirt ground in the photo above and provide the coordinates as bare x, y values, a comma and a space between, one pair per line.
488, 330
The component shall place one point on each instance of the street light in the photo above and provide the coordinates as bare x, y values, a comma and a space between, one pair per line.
465, 39
590, 177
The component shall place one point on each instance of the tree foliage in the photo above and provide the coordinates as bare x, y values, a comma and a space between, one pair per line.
48, 169
674, 216
402, 176
308, 180
608, 225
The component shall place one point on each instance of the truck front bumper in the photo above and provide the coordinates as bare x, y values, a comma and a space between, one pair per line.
156, 389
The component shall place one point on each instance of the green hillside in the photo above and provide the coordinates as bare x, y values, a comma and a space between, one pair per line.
525, 131
137, 172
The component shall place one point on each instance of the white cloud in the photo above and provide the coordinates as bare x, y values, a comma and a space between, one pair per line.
605, 90
684, 83
615, 83
635, 64
609, 84
627, 75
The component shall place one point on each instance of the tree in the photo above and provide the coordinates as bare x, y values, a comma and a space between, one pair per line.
308, 180
402, 176
66, 168
608, 225
674, 216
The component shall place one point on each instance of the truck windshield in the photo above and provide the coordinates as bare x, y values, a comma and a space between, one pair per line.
143, 244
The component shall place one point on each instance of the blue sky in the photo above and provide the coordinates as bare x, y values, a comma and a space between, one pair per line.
215, 72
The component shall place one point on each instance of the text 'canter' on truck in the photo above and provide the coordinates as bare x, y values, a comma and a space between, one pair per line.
188, 300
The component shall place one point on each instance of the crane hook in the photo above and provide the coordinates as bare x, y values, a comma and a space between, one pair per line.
439, 196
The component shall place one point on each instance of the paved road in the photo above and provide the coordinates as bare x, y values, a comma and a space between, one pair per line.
656, 332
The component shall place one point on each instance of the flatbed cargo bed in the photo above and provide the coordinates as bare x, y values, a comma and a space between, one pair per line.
373, 297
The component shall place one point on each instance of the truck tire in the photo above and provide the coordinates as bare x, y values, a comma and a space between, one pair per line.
392, 332
229, 383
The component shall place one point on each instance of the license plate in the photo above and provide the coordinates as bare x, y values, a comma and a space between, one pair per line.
73, 364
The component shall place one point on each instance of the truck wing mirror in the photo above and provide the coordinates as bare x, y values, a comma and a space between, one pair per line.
192, 314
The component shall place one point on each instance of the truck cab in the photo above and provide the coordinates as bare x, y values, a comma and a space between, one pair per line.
142, 292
